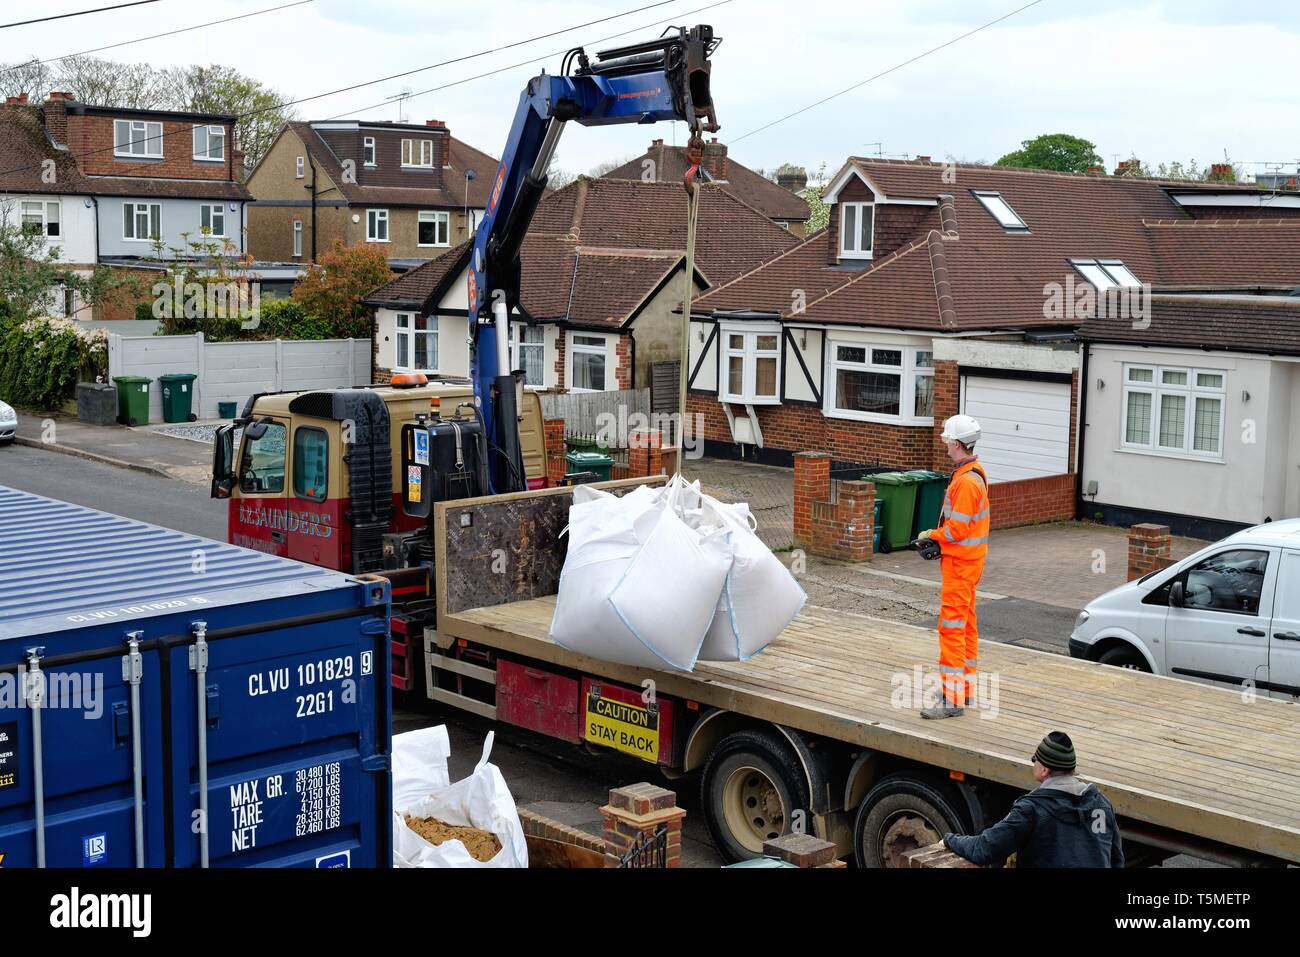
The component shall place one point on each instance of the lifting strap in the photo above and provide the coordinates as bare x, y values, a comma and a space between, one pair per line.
692, 215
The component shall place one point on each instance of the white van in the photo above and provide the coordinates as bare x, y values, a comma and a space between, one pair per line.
1228, 615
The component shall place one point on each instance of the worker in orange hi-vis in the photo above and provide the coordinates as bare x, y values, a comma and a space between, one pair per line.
963, 540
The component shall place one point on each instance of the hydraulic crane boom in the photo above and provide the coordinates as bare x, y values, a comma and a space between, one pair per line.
663, 79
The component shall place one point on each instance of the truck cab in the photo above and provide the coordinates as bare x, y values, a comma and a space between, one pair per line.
317, 476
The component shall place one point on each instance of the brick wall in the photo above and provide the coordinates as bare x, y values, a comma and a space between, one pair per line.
1149, 549
640, 811
947, 392
842, 529
559, 360
537, 825
623, 371
90, 138
1031, 501
556, 466
793, 428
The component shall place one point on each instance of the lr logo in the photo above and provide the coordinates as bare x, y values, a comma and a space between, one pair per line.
94, 849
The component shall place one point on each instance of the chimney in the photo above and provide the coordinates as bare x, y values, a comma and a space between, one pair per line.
19, 100
1129, 167
923, 159
1222, 173
715, 158
434, 123
56, 116
792, 178
1096, 171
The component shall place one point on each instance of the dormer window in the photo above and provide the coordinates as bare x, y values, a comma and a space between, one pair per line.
1106, 274
368, 151
1001, 210
137, 138
210, 143
857, 221
417, 153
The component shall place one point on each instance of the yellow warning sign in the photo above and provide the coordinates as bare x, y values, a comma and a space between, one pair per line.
624, 727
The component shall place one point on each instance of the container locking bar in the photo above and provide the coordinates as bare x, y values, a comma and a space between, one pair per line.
132, 670
199, 665
35, 694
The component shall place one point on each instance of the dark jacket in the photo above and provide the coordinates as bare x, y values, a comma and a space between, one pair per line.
1064, 822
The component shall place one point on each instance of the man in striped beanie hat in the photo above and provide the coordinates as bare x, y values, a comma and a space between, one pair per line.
1064, 822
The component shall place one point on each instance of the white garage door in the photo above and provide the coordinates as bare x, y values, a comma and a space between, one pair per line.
1025, 424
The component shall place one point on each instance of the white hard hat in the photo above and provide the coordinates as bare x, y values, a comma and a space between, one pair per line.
963, 428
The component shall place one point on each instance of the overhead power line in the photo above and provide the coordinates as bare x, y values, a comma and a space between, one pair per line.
154, 36
78, 13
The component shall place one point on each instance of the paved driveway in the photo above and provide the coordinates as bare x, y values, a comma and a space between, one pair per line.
768, 490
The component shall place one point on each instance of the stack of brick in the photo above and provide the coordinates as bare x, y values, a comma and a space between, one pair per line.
842, 529
933, 857
556, 466
638, 812
803, 850
1149, 549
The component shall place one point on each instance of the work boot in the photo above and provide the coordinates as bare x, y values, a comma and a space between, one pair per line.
943, 710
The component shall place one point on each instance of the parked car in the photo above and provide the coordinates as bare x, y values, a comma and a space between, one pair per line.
8, 423
1227, 615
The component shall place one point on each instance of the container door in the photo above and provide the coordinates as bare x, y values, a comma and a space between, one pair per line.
298, 736
85, 764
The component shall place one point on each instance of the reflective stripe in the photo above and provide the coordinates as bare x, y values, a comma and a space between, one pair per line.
952, 622
967, 541
948, 669
963, 517
971, 662
947, 533
983, 514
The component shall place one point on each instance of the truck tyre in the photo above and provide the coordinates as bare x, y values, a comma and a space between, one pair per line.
901, 813
751, 788
1123, 656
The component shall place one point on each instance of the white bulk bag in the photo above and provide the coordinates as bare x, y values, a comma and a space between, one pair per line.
481, 800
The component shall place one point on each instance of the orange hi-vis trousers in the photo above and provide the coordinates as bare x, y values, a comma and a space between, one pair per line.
963, 537
959, 642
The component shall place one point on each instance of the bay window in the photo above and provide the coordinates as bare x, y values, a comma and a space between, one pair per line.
1174, 410
589, 363
417, 343
880, 382
751, 364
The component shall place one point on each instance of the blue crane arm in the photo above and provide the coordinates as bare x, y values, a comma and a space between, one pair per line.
664, 79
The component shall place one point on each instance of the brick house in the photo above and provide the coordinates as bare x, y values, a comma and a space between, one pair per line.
944, 288
403, 187
603, 268
779, 201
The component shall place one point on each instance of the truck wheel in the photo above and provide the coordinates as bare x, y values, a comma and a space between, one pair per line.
1122, 656
751, 787
900, 814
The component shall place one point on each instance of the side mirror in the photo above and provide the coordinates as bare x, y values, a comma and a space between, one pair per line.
1177, 595
255, 430
223, 462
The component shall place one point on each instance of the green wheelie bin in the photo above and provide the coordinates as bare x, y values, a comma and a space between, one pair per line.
898, 491
178, 396
132, 399
929, 498
592, 462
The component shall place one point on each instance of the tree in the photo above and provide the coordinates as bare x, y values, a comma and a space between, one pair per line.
608, 166
32, 276
31, 77
1055, 151
103, 82
819, 214
221, 89
333, 290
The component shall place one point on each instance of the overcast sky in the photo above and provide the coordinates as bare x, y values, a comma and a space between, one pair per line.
1162, 80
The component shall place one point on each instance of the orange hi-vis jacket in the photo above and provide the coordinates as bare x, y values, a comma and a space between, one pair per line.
963, 531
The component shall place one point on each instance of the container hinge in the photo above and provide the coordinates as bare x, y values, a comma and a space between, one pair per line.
376, 763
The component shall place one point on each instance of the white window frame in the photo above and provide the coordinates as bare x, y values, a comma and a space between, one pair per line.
1158, 391
213, 210
149, 142
435, 216
407, 333
135, 212
909, 370
518, 329
576, 348
409, 147
852, 252
43, 207
749, 353
297, 238
300, 167
373, 218
211, 132
368, 147
997, 206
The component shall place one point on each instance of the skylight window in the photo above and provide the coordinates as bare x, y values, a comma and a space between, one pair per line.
1001, 210
1106, 273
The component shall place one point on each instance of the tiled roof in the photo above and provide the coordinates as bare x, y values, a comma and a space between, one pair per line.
412, 289
386, 186
670, 164
24, 147
1260, 324
166, 188
999, 279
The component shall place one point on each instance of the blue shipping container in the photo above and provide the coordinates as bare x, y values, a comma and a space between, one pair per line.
108, 628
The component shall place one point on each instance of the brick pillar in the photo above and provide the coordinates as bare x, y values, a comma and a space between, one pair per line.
641, 810
645, 455
556, 466
812, 483
935, 856
803, 850
1149, 548
857, 509
946, 396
